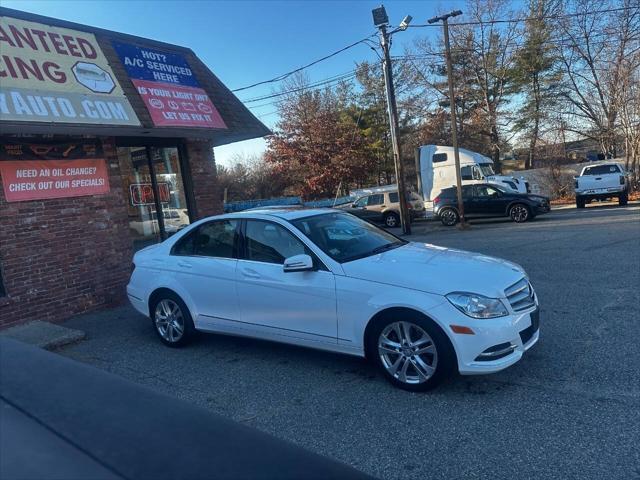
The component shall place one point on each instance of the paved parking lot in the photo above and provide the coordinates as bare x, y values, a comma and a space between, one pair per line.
569, 409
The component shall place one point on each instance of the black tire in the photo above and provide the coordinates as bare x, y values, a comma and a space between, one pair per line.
449, 217
519, 213
623, 199
391, 220
445, 364
182, 317
580, 203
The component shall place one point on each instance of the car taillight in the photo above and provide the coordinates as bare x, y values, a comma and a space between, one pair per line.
621, 179
437, 199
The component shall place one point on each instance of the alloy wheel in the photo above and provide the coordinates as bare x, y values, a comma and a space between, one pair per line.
519, 213
448, 217
407, 352
391, 221
169, 320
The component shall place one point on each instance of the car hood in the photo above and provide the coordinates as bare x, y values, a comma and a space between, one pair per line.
438, 270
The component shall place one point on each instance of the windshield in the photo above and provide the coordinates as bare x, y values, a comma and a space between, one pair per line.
601, 170
486, 169
345, 237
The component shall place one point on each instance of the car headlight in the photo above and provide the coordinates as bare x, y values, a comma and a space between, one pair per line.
477, 306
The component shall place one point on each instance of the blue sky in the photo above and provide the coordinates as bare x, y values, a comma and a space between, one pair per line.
244, 42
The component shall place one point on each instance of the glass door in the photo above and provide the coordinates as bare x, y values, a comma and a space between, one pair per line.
153, 185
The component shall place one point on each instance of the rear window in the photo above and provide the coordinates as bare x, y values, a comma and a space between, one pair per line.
393, 197
448, 192
439, 157
601, 169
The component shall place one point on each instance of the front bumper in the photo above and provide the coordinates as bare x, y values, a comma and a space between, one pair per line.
542, 208
517, 330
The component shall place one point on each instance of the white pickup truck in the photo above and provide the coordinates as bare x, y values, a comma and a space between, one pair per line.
601, 181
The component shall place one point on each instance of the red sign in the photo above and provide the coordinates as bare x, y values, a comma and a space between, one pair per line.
142, 193
178, 105
42, 179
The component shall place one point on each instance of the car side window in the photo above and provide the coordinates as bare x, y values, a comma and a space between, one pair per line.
485, 191
377, 199
393, 197
466, 173
361, 202
212, 239
467, 191
271, 243
439, 157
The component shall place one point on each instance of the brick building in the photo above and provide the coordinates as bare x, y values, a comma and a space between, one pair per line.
99, 132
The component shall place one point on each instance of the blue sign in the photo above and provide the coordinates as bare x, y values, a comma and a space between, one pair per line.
155, 65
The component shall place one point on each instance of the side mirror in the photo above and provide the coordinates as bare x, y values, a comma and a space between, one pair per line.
353, 205
298, 263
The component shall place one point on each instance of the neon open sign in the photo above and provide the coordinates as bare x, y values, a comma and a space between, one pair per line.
142, 193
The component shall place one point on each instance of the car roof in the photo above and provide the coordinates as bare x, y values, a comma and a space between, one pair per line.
286, 213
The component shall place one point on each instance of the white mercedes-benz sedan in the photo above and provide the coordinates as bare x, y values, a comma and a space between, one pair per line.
325, 279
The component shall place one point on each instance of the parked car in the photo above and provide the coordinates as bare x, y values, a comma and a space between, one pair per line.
600, 182
384, 207
326, 279
485, 200
174, 220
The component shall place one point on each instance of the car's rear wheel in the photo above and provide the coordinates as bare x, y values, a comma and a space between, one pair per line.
412, 351
519, 213
623, 199
391, 219
172, 320
580, 203
449, 217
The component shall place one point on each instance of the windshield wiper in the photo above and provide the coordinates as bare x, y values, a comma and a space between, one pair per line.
388, 246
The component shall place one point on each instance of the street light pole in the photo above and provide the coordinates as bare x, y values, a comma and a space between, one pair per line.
452, 104
381, 21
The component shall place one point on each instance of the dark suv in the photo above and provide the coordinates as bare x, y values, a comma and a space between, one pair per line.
484, 200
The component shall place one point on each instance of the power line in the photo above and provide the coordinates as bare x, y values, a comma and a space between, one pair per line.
288, 74
525, 19
302, 88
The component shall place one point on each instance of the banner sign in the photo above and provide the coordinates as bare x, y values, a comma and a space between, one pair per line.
45, 179
24, 150
142, 193
168, 88
52, 74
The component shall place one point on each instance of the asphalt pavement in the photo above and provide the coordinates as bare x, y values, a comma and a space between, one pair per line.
569, 409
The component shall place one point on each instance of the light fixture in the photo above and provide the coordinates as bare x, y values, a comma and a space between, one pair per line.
405, 22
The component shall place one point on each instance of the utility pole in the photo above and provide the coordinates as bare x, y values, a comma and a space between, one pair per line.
381, 21
452, 104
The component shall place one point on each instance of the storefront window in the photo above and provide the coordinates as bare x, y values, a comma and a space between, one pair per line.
138, 175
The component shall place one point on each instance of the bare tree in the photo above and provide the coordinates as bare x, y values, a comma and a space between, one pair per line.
492, 58
593, 55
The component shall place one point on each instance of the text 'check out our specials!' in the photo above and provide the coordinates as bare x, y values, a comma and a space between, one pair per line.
52, 74
168, 88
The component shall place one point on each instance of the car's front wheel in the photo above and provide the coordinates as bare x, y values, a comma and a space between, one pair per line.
519, 213
171, 319
412, 352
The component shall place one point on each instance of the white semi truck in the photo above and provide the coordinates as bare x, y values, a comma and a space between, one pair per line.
436, 168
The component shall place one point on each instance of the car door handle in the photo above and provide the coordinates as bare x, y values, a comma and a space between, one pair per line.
185, 265
250, 273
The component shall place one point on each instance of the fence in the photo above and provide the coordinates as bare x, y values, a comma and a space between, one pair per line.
284, 201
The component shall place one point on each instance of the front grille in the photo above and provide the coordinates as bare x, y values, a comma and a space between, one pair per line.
520, 295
